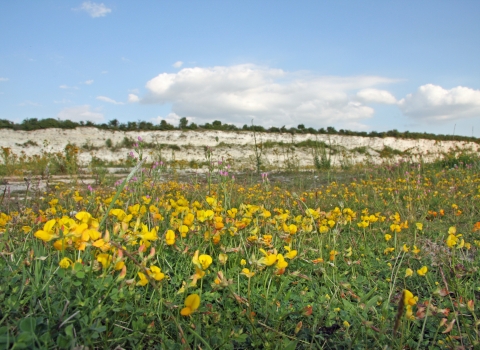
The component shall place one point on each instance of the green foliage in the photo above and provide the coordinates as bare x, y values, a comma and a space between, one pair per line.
35, 124
341, 291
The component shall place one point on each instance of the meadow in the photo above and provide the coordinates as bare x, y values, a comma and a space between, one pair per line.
374, 256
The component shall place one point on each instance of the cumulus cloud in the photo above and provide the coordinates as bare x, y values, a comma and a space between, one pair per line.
237, 94
376, 96
434, 103
109, 100
80, 113
3, 79
132, 98
94, 9
178, 64
171, 118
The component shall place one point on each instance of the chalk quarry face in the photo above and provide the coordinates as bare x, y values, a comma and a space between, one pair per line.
238, 148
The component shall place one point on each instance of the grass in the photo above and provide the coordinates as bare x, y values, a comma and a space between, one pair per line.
373, 256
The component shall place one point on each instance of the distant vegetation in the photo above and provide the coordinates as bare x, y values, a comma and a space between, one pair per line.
115, 125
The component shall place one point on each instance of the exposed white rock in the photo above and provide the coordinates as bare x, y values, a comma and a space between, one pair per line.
235, 147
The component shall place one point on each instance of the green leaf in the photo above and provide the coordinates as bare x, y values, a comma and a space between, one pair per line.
69, 331
80, 274
28, 325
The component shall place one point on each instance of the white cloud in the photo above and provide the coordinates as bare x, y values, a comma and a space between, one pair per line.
237, 94
104, 71
171, 118
66, 87
177, 64
109, 100
63, 101
376, 96
132, 98
80, 113
30, 103
94, 9
434, 103
88, 82
4, 79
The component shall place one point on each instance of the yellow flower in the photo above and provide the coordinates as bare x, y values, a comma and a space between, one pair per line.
388, 250
269, 259
346, 324
183, 229
452, 230
423, 271
388, 237
192, 302
205, 260
243, 262
65, 263
408, 272
281, 263
188, 220
362, 224
409, 312
332, 255
104, 259
415, 250
222, 258
170, 237
291, 253
292, 229
156, 273
419, 226
246, 272
47, 234
405, 248
143, 279
408, 298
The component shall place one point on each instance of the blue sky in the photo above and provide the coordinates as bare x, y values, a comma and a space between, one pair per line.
360, 65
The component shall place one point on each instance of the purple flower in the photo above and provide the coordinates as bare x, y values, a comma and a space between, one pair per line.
140, 139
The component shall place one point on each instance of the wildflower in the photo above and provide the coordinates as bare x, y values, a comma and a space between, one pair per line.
408, 298
243, 262
291, 252
65, 263
388, 237
143, 279
332, 255
183, 229
388, 250
192, 302
222, 258
415, 250
346, 324
170, 237
405, 248
156, 273
408, 272
269, 259
104, 259
422, 271
419, 226
292, 229
281, 263
47, 234
205, 261
246, 272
